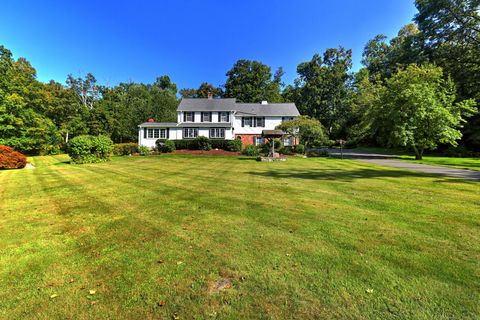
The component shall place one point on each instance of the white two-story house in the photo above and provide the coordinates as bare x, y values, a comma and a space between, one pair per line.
219, 119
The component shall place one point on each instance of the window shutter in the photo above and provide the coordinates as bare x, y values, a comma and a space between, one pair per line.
168, 133
219, 117
243, 122
210, 117
144, 133
228, 116
184, 116
201, 116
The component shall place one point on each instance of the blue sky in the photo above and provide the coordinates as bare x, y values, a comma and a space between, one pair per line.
191, 41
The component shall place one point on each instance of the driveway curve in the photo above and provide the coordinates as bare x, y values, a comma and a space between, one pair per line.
391, 161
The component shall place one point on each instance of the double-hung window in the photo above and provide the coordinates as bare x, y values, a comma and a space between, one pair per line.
206, 117
153, 133
259, 122
163, 133
223, 117
286, 119
189, 116
217, 133
258, 141
189, 133
246, 121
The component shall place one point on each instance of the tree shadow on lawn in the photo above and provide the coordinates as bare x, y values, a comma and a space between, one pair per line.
351, 175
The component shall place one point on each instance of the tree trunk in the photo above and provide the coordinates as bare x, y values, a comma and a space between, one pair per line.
418, 153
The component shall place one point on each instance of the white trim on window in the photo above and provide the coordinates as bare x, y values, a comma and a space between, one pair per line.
217, 133
258, 141
163, 133
189, 116
190, 133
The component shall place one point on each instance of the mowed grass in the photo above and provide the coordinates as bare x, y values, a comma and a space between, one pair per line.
308, 238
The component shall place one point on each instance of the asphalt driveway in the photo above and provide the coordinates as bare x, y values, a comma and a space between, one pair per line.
391, 161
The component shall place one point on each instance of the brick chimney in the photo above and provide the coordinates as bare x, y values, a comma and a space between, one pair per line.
210, 95
151, 120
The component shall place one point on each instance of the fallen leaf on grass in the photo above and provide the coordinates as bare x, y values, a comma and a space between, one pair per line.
53, 296
161, 303
179, 262
369, 290
92, 292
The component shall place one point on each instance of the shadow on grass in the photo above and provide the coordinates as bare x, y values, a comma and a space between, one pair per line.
351, 175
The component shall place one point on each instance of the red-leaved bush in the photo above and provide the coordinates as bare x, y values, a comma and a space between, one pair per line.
11, 159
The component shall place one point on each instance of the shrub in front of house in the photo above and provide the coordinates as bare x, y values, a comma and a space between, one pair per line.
165, 146
144, 151
90, 149
299, 148
219, 144
202, 143
11, 159
125, 149
182, 144
286, 150
234, 145
251, 151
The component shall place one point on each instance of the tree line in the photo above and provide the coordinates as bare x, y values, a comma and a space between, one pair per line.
418, 89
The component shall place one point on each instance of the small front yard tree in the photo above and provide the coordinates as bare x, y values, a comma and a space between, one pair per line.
308, 130
418, 110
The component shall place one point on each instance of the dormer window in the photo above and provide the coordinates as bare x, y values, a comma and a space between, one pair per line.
189, 117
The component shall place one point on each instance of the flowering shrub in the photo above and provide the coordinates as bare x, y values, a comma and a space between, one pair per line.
11, 159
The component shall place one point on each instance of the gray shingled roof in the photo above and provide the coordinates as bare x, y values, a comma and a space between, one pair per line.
255, 109
186, 125
204, 125
158, 124
197, 104
270, 109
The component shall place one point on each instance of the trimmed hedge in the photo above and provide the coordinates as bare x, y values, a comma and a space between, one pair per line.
219, 144
90, 149
125, 149
11, 159
228, 145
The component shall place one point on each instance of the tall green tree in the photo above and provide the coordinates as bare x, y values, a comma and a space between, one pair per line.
418, 110
23, 102
202, 92
323, 88
451, 32
252, 81
310, 131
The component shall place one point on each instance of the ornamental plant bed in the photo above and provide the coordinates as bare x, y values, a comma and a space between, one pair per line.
212, 152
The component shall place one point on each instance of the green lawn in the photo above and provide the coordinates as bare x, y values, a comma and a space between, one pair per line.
308, 238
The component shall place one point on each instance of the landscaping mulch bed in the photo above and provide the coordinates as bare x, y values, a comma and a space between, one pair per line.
212, 152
